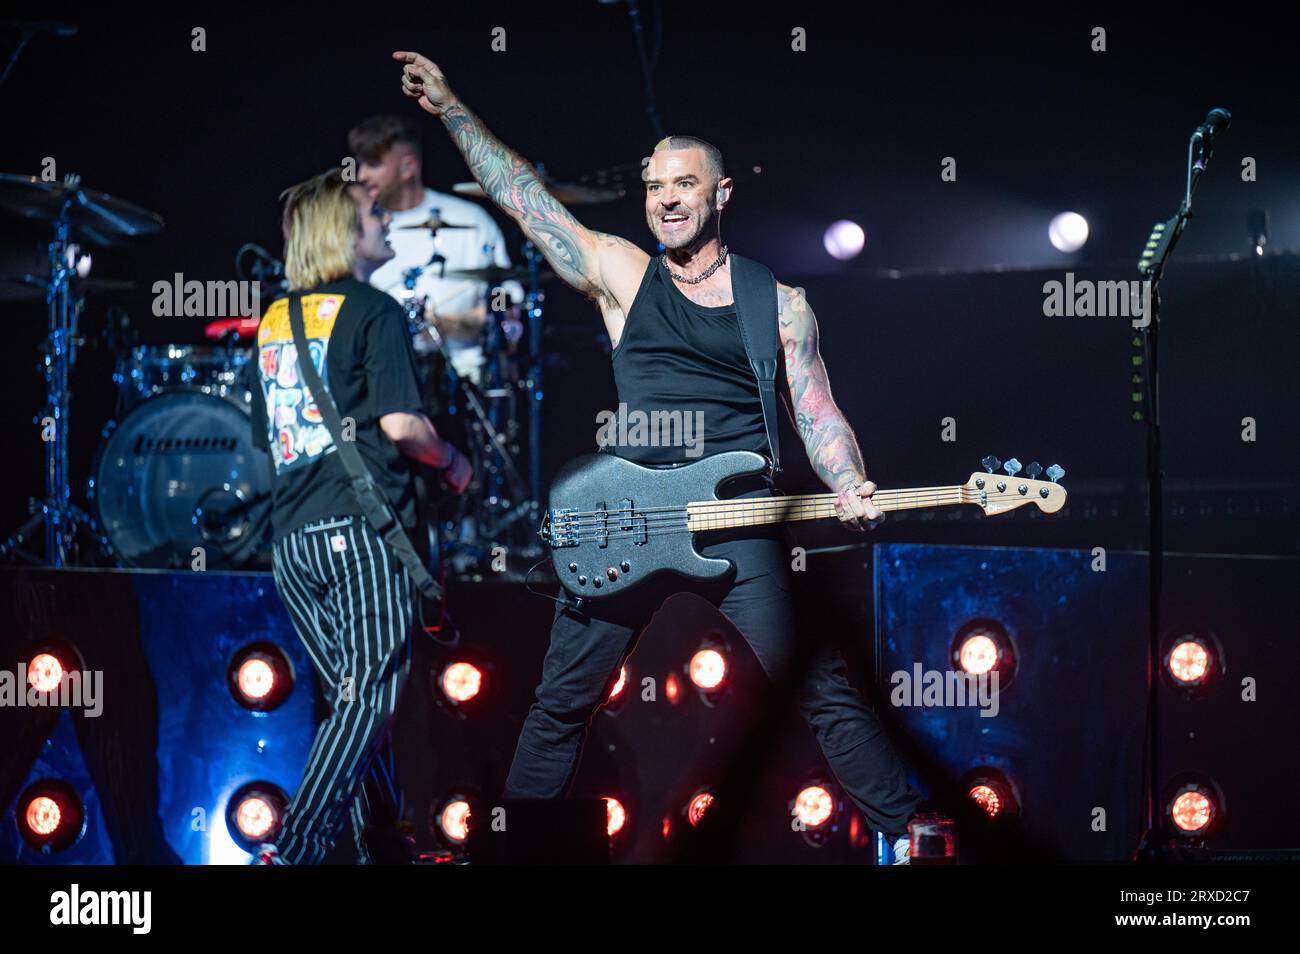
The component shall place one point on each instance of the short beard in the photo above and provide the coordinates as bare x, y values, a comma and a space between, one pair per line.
708, 228
388, 199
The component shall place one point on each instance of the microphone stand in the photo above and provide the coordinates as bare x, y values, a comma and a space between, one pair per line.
1154, 845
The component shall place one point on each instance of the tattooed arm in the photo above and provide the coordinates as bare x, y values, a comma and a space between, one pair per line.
828, 439
604, 267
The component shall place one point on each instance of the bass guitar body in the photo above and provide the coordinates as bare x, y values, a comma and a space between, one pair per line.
613, 524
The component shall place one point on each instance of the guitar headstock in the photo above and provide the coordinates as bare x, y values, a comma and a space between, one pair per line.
996, 493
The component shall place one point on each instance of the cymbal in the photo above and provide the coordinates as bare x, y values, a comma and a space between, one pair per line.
494, 274
434, 224
31, 287
96, 217
566, 193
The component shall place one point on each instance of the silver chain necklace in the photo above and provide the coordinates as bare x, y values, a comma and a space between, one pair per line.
698, 278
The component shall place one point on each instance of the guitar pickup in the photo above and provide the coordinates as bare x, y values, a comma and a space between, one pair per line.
625, 511
602, 526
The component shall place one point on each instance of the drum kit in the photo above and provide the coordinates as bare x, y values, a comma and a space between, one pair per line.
484, 389
176, 473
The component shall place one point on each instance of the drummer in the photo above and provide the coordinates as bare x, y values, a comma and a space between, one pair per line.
389, 159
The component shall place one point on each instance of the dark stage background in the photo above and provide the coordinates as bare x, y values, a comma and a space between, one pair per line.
941, 315
853, 128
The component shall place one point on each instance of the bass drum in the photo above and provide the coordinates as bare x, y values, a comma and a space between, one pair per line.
179, 472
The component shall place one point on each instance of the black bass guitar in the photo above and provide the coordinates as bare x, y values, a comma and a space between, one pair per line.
612, 524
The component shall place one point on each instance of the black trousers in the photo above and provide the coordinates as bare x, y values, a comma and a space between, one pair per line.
586, 652
351, 602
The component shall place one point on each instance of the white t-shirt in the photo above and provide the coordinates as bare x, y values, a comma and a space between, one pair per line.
476, 247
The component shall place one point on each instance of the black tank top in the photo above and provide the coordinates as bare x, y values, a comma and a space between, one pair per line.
685, 387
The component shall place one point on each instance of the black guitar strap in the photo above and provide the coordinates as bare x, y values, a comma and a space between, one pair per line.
754, 288
373, 503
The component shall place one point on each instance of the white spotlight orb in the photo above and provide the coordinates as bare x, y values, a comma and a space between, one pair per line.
844, 240
1068, 232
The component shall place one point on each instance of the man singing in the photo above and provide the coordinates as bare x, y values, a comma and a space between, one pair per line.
673, 325
349, 597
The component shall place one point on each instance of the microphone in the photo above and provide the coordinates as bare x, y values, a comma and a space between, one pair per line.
1216, 122
265, 266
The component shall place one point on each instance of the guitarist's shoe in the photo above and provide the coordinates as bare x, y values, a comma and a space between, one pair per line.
903, 850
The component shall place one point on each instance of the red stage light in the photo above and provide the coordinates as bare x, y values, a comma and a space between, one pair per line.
256, 818
618, 686
453, 820
255, 813
987, 798
978, 653
708, 668
814, 806
43, 816
990, 788
983, 646
1192, 811
44, 672
616, 816
256, 678
49, 815
673, 688
697, 807
260, 676
462, 681
1189, 661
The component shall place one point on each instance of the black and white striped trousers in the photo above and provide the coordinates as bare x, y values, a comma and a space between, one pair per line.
351, 602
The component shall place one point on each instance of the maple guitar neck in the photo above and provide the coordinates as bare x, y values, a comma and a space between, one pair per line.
749, 512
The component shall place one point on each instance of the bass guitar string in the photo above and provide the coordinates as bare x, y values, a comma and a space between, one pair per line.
778, 504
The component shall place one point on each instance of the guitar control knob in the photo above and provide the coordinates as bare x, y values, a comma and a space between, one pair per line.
627, 567
573, 568
612, 573
582, 580
596, 582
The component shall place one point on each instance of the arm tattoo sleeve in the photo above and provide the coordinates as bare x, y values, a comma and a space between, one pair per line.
832, 448
517, 190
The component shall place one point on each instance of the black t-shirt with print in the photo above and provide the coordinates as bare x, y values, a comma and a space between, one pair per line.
369, 368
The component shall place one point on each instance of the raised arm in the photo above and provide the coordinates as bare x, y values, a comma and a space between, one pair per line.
828, 439
599, 265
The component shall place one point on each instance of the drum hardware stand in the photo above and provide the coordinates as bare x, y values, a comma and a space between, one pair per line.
532, 508
492, 438
231, 523
56, 511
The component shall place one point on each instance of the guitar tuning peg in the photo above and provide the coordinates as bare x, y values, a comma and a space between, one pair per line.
1055, 473
991, 463
1012, 467
1033, 470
